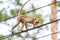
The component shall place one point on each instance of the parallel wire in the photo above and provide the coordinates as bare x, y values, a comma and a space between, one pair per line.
31, 10
29, 30
47, 35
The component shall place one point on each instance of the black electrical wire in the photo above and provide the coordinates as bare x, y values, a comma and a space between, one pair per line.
29, 30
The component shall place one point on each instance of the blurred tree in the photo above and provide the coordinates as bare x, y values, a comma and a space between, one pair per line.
58, 4
1, 36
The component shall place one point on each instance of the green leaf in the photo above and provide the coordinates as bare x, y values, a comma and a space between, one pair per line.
1, 37
33, 9
33, 38
23, 38
58, 4
19, 35
18, 2
27, 35
13, 11
5, 16
10, 38
38, 16
1, 15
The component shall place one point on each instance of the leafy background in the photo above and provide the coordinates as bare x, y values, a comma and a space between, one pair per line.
10, 11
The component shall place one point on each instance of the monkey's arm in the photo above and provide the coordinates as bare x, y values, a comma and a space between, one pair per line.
17, 22
15, 25
22, 26
26, 26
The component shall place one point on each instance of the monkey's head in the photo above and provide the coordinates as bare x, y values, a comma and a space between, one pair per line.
36, 21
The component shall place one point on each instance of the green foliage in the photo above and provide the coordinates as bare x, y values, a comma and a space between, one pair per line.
35, 15
18, 2
33, 8
33, 38
38, 16
6, 16
1, 15
10, 38
1, 37
23, 38
58, 4
19, 35
14, 11
23, 12
27, 35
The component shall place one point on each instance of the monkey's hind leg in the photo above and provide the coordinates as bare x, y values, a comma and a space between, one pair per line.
26, 26
34, 25
22, 27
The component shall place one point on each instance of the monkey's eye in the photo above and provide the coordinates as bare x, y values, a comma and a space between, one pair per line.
37, 22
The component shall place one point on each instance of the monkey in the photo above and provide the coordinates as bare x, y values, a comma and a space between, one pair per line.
24, 20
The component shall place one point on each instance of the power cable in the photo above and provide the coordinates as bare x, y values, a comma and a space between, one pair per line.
48, 35
28, 29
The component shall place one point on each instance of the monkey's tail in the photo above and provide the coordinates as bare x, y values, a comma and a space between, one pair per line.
20, 11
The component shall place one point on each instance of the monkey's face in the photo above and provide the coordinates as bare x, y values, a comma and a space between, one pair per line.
36, 21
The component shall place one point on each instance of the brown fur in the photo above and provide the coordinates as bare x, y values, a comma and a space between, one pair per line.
24, 20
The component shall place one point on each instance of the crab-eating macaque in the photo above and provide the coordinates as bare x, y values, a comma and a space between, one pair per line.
24, 20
